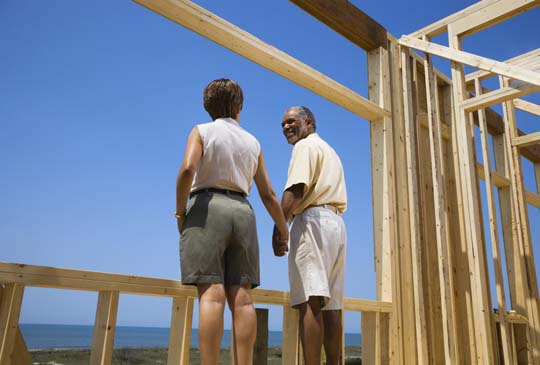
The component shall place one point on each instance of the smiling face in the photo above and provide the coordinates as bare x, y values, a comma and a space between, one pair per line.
295, 126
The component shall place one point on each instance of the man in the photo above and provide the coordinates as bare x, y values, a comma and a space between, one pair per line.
315, 196
219, 250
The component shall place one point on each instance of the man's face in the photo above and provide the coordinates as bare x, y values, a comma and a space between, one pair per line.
295, 127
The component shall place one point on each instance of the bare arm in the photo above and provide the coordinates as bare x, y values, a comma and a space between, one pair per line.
184, 180
269, 199
291, 199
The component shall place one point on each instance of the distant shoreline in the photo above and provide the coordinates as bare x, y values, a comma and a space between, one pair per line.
151, 355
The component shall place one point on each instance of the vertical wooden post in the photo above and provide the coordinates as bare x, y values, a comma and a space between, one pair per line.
11, 296
291, 340
411, 146
481, 301
20, 354
537, 176
180, 333
522, 225
384, 197
375, 338
104, 328
444, 252
260, 349
494, 233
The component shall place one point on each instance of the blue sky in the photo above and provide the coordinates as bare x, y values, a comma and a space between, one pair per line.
97, 100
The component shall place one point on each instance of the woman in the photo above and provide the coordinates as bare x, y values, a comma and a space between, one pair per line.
218, 248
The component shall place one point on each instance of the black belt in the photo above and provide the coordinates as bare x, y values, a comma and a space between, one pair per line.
219, 191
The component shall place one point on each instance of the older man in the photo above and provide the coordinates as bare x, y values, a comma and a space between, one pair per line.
315, 196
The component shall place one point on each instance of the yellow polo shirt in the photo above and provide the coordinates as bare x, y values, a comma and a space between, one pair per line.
316, 165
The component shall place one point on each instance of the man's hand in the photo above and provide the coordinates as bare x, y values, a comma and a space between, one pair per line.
279, 244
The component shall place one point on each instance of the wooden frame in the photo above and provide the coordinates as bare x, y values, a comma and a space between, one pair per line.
430, 245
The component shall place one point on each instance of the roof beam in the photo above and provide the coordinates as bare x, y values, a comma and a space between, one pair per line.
439, 26
498, 96
527, 60
491, 15
501, 68
349, 21
209, 25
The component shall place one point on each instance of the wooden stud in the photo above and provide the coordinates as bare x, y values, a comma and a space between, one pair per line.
445, 260
480, 297
522, 226
494, 234
180, 332
291, 336
414, 207
384, 198
209, 25
260, 348
537, 177
470, 59
104, 328
20, 355
11, 296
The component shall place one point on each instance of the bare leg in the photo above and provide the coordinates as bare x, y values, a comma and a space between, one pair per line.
211, 306
332, 336
311, 330
244, 322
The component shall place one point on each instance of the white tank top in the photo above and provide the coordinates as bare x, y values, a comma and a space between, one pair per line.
230, 157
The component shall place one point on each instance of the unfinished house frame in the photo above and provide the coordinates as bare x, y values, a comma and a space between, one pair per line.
434, 297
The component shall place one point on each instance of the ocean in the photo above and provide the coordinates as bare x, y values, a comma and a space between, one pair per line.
60, 336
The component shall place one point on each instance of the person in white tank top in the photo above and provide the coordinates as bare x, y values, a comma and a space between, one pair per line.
220, 162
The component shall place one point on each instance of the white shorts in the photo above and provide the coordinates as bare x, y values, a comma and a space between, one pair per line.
318, 243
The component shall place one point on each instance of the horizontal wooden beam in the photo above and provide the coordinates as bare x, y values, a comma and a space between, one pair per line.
59, 278
527, 106
490, 15
347, 20
501, 68
526, 140
498, 96
209, 25
525, 60
440, 26
501, 182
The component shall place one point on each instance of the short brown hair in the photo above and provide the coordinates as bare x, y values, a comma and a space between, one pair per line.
223, 98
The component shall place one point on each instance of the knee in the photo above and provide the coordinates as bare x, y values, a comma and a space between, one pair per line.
212, 294
239, 298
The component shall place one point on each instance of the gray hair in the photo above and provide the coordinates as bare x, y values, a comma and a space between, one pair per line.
305, 112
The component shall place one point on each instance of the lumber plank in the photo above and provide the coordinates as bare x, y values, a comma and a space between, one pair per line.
209, 25
180, 332
522, 60
414, 206
384, 197
291, 336
104, 328
527, 106
526, 140
11, 296
451, 350
537, 176
481, 301
501, 68
522, 226
20, 355
506, 344
498, 96
347, 20
440, 26
491, 15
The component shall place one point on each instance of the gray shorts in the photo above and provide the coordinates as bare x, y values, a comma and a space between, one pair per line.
218, 244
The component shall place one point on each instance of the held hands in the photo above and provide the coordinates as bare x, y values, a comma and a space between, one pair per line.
280, 244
